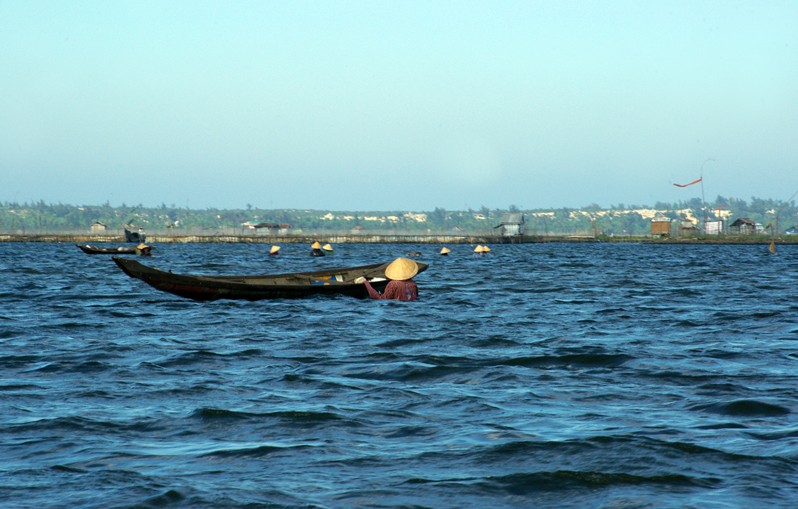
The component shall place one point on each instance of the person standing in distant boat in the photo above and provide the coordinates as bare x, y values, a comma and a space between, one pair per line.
401, 286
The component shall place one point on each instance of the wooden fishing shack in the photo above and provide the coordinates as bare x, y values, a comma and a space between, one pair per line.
661, 226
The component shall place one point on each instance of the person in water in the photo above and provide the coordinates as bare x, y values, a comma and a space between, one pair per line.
315, 249
401, 286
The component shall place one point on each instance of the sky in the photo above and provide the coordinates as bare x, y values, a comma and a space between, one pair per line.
386, 105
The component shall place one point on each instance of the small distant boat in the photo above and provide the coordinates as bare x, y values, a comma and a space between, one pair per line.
138, 236
340, 281
93, 250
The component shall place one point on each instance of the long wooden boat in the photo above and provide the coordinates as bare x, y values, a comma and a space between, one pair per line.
340, 281
89, 249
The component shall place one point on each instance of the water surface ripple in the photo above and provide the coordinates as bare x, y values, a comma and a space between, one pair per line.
543, 375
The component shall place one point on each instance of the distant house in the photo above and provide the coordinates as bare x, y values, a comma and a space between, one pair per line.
98, 227
661, 226
687, 228
511, 225
791, 231
713, 227
269, 228
742, 226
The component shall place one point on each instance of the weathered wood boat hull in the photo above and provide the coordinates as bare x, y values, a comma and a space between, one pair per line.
340, 281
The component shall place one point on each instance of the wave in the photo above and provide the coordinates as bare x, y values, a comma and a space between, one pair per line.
571, 360
253, 451
79, 424
561, 480
744, 408
289, 417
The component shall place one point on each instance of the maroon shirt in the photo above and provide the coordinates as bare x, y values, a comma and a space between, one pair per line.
397, 290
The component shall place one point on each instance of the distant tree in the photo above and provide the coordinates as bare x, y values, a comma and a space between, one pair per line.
438, 217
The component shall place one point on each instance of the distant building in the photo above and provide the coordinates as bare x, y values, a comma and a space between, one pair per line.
791, 231
511, 225
687, 228
268, 228
743, 226
661, 226
713, 227
98, 227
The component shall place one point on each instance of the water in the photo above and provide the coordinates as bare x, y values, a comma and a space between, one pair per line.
543, 375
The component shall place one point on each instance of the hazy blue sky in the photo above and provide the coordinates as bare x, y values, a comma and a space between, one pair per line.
387, 105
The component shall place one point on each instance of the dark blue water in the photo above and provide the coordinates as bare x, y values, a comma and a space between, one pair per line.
544, 375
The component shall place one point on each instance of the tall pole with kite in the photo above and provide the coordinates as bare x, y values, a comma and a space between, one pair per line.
700, 180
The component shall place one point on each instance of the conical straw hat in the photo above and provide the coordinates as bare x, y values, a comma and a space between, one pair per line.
478, 249
142, 246
327, 247
485, 249
316, 245
445, 250
274, 249
401, 269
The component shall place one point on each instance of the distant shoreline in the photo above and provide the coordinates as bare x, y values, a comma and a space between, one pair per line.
395, 239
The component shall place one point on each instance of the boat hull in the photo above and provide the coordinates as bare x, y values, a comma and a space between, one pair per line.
328, 282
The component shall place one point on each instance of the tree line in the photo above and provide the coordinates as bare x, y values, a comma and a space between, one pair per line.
592, 219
